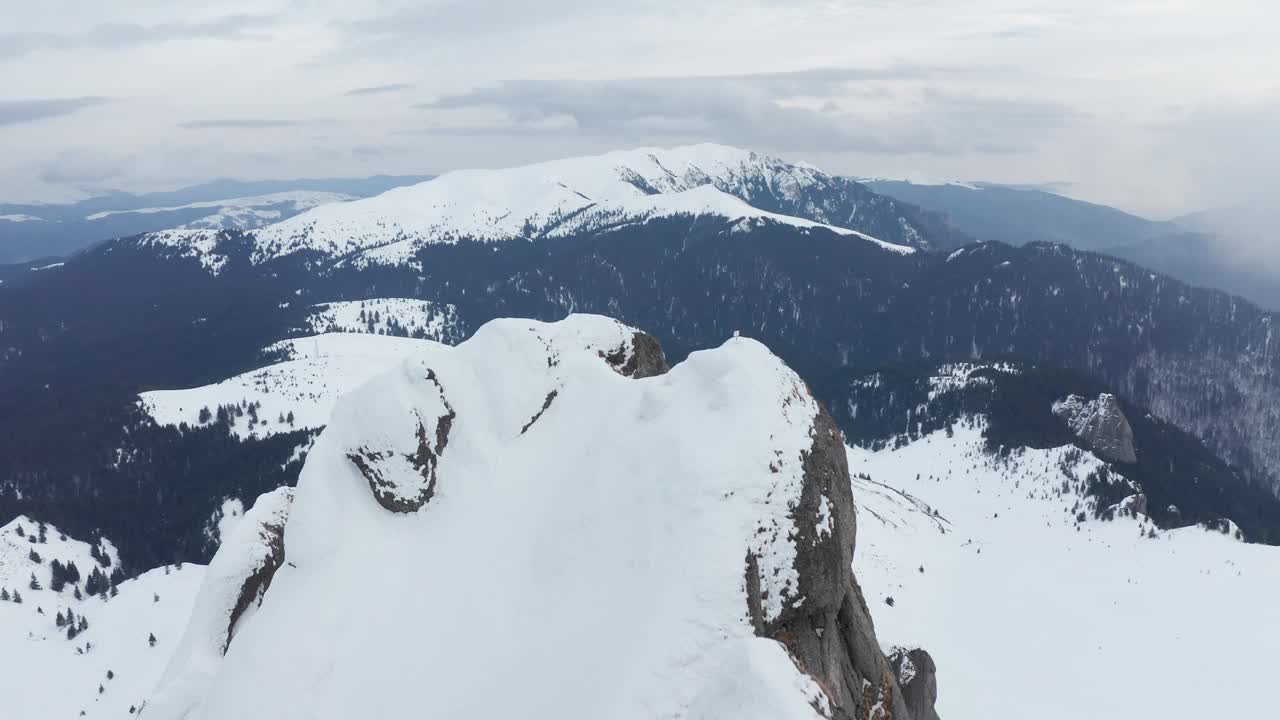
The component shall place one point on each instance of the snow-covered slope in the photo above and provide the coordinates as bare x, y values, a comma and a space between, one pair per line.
242, 212
403, 317
563, 197
989, 564
547, 510
543, 200
48, 675
298, 393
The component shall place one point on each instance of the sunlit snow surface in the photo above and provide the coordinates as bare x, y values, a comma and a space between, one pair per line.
1028, 617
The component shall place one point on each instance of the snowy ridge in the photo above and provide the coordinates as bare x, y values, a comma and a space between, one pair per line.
550, 199
298, 393
619, 510
990, 567
242, 213
108, 667
220, 604
22, 536
200, 245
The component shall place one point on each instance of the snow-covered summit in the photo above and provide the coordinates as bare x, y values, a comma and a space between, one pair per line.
562, 197
550, 509
550, 199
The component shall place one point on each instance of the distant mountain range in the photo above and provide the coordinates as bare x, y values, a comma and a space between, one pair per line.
696, 243
1228, 249
34, 231
356, 414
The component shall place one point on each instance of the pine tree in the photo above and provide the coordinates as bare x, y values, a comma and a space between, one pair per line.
111, 675
84, 624
34, 584
4, 594
57, 575
205, 415
73, 572
60, 620
78, 595
17, 597
101, 689
41, 531
151, 638
289, 418
71, 632
34, 557
114, 591
20, 531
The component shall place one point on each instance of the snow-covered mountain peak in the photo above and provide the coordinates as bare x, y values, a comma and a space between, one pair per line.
549, 504
574, 195
550, 199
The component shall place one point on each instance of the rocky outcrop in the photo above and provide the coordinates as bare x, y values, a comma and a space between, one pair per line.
827, 627
384, 468
235, 584
643, 358
1101, 424
917, 676
261, 572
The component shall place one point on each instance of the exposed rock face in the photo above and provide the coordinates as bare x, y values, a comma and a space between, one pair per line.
917, 676
235, 585
258, 580
644, 358
403, 482
1101, 424
827, 627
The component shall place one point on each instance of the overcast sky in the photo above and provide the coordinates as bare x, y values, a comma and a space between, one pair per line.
1157, 106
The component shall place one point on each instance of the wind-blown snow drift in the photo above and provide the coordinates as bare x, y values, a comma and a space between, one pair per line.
544, 522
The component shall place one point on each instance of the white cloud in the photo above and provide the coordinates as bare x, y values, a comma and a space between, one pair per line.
1006, 90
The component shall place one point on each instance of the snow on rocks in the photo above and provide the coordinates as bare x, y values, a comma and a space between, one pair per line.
1100, 423
233, 587
593, 563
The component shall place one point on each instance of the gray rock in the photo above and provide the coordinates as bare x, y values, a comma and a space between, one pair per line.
827, 627
424, 460
1101, 424
917, 676
645, 359
257, 582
